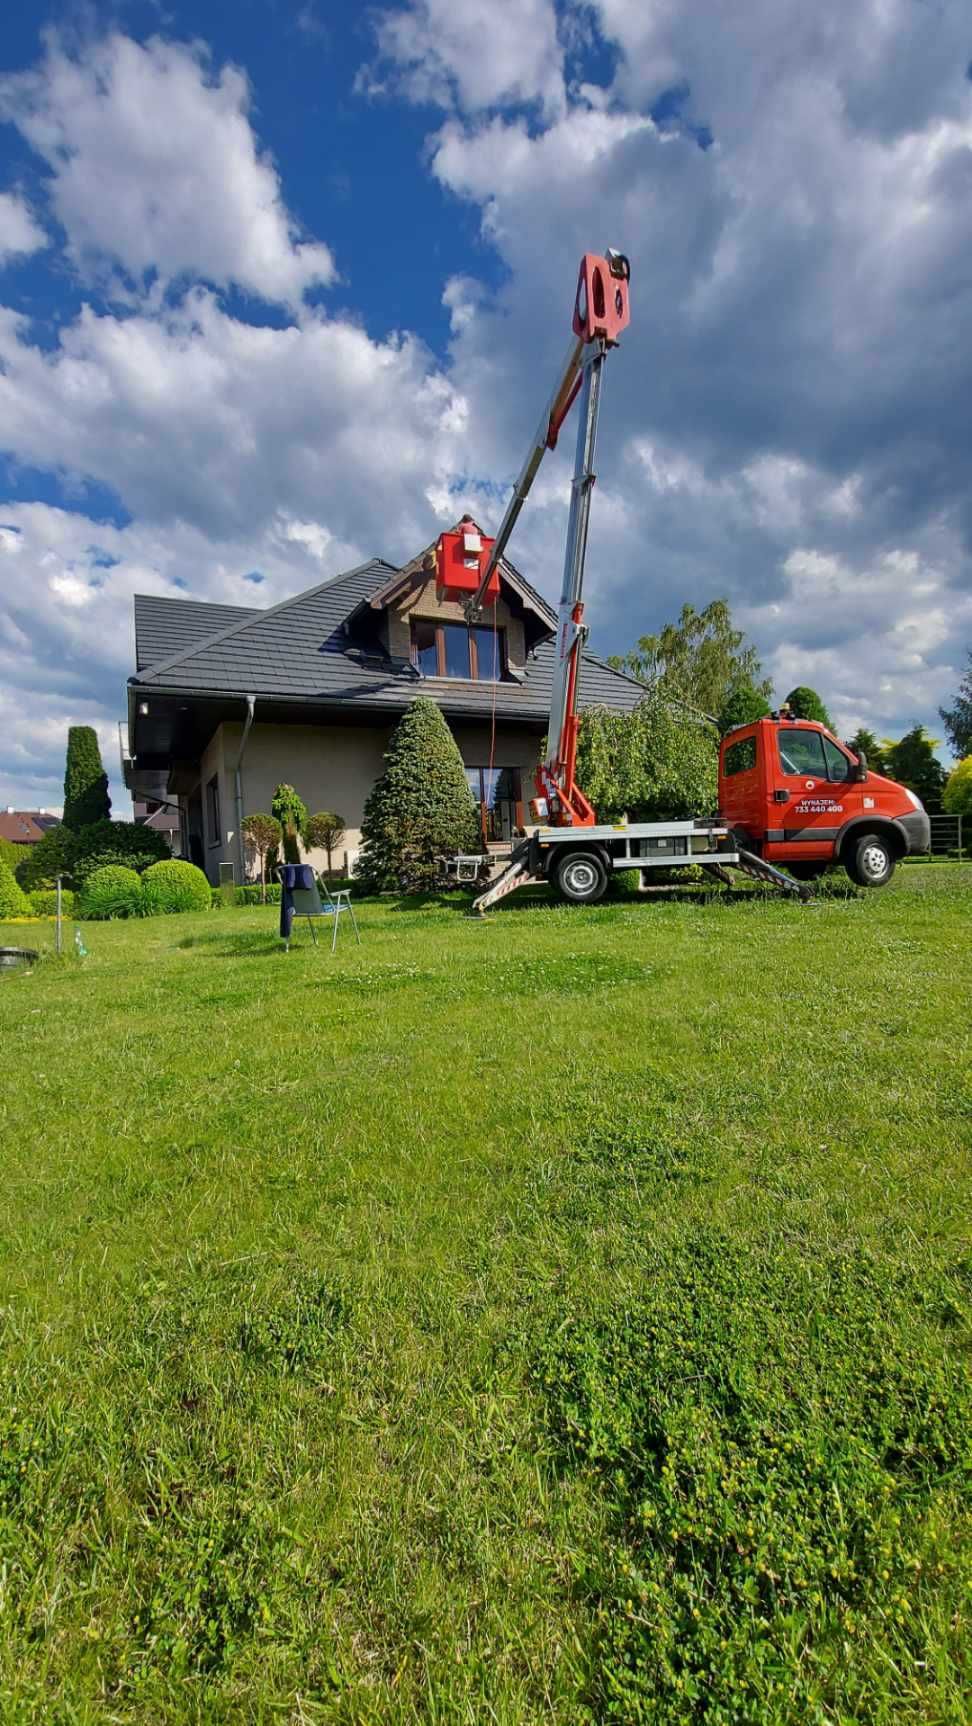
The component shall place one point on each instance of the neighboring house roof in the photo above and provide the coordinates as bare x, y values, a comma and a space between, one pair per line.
301, 652
25, 826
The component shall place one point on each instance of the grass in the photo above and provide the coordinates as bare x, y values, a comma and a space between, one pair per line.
561, 1318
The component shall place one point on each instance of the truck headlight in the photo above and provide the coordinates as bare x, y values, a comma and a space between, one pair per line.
915, 802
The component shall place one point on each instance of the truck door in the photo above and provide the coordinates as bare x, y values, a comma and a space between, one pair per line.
807, 803
741, 797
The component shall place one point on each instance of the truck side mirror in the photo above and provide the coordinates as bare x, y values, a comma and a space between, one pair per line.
859, 769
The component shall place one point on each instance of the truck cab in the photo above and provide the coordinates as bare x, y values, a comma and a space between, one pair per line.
796, 796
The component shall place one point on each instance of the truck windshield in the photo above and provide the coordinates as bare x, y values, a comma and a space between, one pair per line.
801, 752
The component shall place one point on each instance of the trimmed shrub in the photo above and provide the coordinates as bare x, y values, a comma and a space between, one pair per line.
175, 886
111, 892
52, 856
420, 809
86, 796
13, 900
108, 842
44, 902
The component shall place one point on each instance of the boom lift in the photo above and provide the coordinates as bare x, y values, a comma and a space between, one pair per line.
571, 848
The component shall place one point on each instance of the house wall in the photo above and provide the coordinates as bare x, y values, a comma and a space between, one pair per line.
422, 603
332, 767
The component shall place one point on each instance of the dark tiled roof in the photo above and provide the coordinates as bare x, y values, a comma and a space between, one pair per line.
166, 626
298, 652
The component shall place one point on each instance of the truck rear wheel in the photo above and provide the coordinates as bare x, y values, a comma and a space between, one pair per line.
581, 877
871, 860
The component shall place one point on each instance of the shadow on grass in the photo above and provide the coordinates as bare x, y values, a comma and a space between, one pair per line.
236, 945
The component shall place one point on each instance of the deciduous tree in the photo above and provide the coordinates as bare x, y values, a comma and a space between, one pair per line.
958, 718
913, 762
260, 834
324, 831
805, 703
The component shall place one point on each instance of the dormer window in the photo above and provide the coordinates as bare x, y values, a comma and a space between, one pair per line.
453, 650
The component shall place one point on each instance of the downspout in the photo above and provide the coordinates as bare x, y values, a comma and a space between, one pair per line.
241, 848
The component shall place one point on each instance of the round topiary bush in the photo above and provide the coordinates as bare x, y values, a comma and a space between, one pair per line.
111, 892
43, 902
175, 886
13, 899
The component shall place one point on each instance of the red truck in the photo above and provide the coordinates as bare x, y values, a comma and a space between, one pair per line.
795, 796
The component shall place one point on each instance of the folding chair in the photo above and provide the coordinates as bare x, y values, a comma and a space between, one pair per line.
305, 901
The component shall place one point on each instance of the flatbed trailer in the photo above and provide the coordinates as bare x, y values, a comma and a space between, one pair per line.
579, 862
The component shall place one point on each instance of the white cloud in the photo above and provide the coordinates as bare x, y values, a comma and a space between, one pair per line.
198, 417
19, 233
879, 650
154, 167
471, 54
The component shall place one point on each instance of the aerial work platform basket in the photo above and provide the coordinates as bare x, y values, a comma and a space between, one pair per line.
461, 558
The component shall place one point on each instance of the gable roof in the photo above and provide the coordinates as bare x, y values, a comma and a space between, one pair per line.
25, 826
299, 653
422, 566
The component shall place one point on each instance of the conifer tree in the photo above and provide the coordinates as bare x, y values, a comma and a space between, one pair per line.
420, 809
86, 796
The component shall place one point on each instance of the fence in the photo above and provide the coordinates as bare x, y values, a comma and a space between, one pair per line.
946, 837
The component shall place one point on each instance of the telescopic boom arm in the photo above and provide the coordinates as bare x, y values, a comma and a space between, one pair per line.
601, 312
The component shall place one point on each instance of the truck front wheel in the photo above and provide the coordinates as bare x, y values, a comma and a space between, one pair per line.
870, 861
581, 877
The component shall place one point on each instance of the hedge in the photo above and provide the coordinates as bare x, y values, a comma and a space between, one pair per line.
44, 902
111, 892
13, 900
175, 886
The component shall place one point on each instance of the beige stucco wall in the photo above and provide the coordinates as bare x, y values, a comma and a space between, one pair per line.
332, 767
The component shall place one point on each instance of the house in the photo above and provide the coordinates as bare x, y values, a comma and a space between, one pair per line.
163, 818
228, 701
26, 826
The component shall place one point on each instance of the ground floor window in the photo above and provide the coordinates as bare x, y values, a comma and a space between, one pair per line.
497, 791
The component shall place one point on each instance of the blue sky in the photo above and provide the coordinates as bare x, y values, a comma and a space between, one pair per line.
282, 286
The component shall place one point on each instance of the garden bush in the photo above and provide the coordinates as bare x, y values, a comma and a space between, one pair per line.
13, 900
175, 886
43, 902
111, 892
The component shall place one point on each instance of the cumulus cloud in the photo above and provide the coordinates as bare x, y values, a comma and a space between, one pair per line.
196, 416
471, 54
154, 168
19, 233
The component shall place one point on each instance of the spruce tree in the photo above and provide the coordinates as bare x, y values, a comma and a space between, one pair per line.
86, 796
421, 807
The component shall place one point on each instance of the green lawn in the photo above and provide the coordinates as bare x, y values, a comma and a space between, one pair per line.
562, 1318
